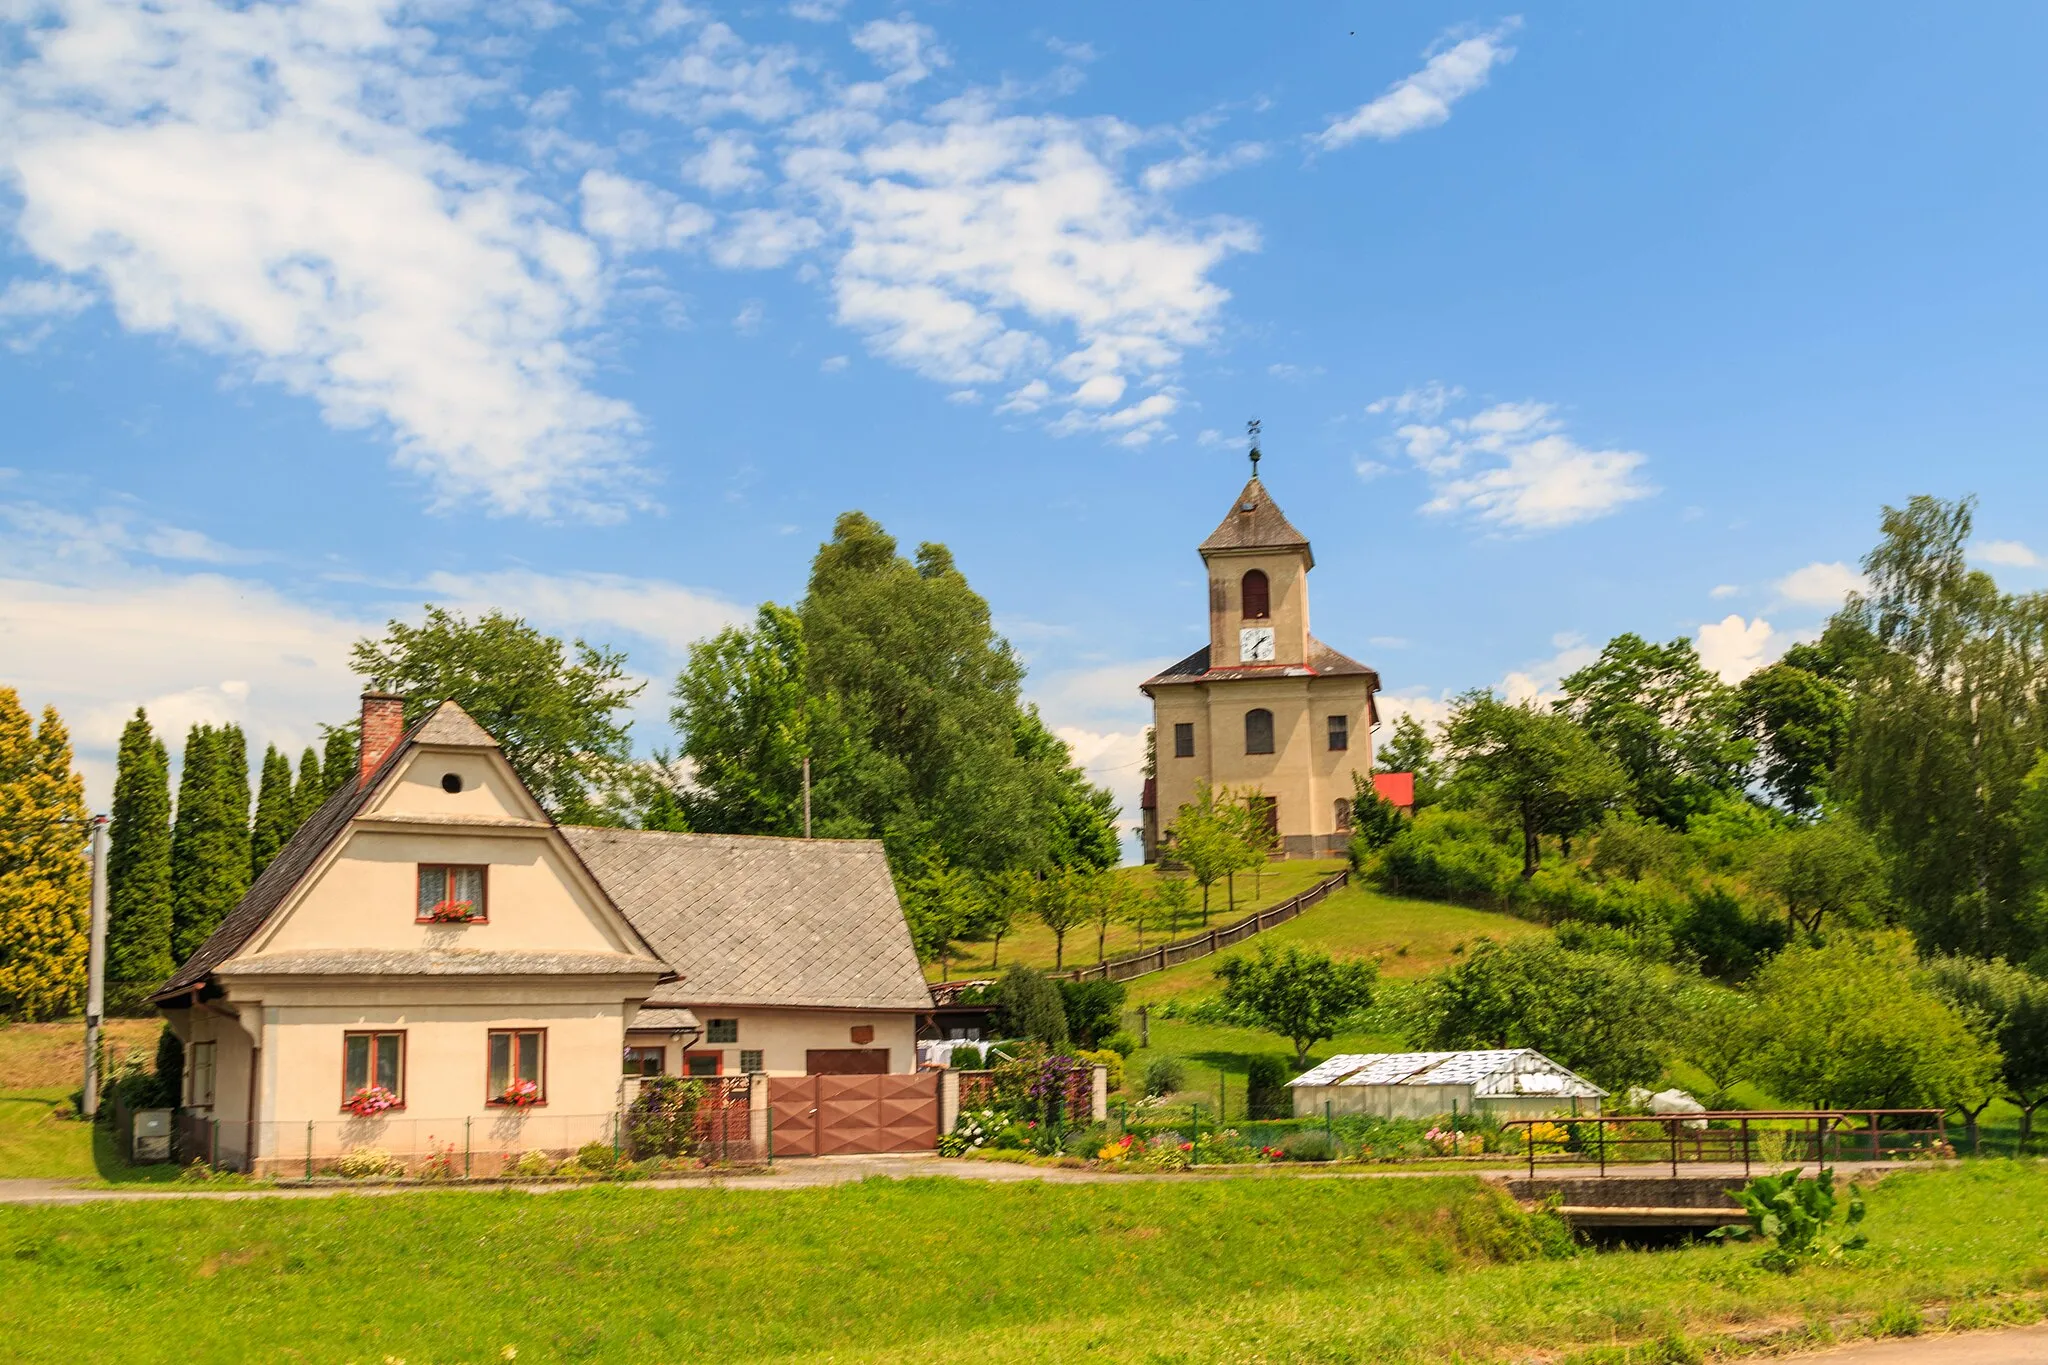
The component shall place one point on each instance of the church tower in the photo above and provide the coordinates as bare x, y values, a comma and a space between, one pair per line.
1264, 708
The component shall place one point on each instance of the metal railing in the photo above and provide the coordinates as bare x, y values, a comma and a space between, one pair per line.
1149, 960
1798, 1136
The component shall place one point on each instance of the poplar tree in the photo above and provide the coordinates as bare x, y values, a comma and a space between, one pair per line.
337, 763
276, 812
311, 788
139, 865
210, 839
45, 882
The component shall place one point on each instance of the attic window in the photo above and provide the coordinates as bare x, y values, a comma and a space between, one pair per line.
451, 783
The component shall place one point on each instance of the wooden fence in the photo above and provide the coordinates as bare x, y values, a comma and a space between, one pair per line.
1203, 944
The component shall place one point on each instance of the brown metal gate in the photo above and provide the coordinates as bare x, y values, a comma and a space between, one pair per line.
839, 1115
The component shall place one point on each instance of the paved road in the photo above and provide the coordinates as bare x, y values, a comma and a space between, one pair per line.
802, 1173
2009, 1346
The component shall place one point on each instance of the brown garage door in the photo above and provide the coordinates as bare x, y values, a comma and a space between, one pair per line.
839, 1115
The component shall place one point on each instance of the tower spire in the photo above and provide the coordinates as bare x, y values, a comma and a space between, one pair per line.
1251, 431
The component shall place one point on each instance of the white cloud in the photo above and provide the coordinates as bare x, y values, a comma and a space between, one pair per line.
719, 74
725, 165
1368, 470
1166, 176
263, 182
1427, 401
904, 49
818, 11
1424, 99
663, 614
1513, 466
749, 319
2010, 554
1735, 648
833, 364
964, 397
628, 215
1820, 585
761, 239
1722, 590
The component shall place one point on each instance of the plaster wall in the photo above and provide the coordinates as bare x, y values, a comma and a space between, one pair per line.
1287, 593
783, 1036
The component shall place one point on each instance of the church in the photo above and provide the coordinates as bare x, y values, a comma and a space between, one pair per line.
1264, 707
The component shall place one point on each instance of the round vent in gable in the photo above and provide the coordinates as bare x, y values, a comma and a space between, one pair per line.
451, 783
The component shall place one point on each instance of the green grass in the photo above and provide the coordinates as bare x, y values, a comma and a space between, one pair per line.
1032, 943
40, 1067
1272, 1269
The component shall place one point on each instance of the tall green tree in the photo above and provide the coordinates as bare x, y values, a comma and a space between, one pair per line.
1951, 707
45, 881
1080, 817
1850, 1025
1061, 904
209, 837
748, 722
309, 790
139, 865
2010, 1007
1666, 719
1531, 766
555, 709
1826, 869
337, 762
1799, 721
277, 811
1411, 750
1207, 838
1606, 1017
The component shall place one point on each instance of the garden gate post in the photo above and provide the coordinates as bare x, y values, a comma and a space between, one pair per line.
309, 1149
465, 1148
1329, 1135
1671, 1127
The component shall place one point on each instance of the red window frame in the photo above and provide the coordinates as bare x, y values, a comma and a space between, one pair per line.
690, 1054
373, 1035
515, 1034
483, 897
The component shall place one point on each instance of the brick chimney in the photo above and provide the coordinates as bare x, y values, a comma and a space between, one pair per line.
383, 727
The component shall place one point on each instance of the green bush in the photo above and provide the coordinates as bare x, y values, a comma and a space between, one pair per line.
1309, 1146
663, 1119
1094, 1010
1266, 1088
1121, 1043
598, 1157
1031, 1007
1165, 1075
965, 1057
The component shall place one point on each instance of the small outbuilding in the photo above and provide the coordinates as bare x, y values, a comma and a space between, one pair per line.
1508, 1083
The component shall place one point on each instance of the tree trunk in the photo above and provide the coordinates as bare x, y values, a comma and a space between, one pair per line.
2026, 1108
1059, 949
1101, 933
1532, 851
997, 955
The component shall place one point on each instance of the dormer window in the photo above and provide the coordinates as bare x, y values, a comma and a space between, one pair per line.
451, 894
1257, 595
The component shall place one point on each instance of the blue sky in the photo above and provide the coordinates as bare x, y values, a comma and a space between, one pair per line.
1560, 323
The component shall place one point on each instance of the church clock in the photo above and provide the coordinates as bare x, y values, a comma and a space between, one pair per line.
1255, 644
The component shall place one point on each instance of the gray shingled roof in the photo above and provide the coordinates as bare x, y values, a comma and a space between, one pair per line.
1255, 522
446, 724
1323, 662
746, 920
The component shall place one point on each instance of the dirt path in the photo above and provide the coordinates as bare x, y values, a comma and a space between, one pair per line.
2008, 1346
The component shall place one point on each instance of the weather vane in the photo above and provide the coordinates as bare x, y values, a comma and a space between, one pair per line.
1251, 431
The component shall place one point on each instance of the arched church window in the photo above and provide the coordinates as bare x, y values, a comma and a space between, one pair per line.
1258, 597
1344, 815
1258, 731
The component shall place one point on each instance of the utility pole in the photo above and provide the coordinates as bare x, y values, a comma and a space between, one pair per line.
95, 969
807, 796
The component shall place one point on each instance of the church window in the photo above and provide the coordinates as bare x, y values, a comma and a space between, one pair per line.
1257, 596
1184, 739
1340, 732
1258, 731
1343, 813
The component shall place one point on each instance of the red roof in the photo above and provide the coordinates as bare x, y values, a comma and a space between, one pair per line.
1399, 788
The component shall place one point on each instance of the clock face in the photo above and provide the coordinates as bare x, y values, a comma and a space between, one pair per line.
1255, 644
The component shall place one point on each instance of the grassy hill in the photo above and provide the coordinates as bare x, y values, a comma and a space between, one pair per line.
40, 1066
1408, 937
1032, 943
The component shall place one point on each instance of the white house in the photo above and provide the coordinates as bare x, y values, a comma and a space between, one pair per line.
432, 964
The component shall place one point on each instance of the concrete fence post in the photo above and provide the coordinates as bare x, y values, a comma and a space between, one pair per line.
757, 1111
1098, 1093
949, 1100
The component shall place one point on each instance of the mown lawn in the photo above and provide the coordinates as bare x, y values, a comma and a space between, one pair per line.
1319, 1270
40, 1066
1032, 943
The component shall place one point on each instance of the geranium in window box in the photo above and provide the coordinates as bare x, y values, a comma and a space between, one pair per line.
370, 1101
521, 1094
453, 912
